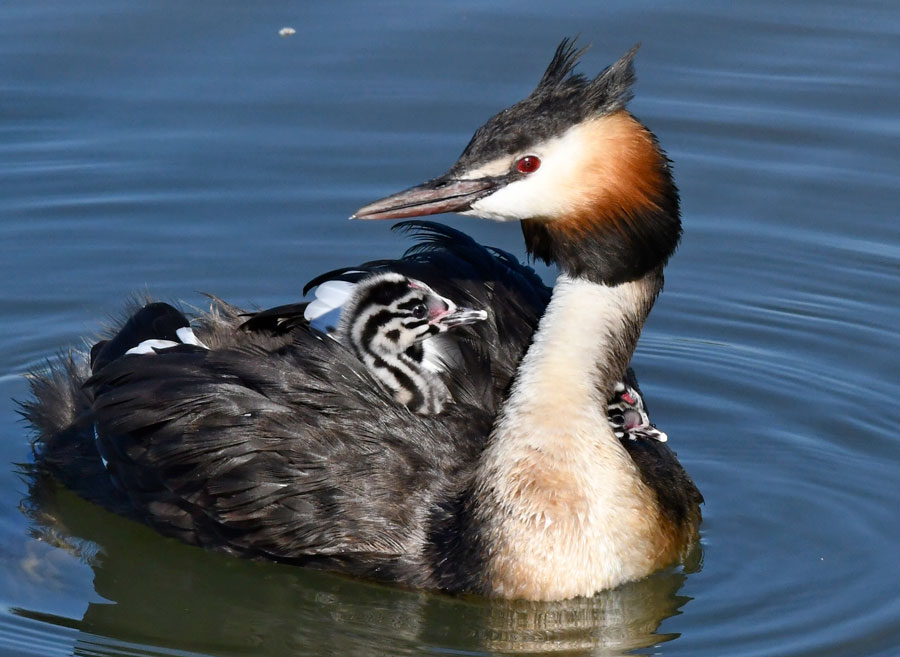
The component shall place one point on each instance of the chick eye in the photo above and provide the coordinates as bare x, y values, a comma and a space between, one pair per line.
528, 164
419, 311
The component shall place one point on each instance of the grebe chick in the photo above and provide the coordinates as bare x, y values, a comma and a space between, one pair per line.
387, 321
628, 414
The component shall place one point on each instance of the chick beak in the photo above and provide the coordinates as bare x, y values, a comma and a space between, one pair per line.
458, 317
443, 194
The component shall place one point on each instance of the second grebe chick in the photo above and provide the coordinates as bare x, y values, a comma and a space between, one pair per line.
386, 322
628, 415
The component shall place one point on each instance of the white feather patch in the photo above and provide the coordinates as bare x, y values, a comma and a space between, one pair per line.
324, 312
186, 335
149, 346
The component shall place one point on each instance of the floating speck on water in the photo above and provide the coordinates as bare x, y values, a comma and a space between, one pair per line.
287, 31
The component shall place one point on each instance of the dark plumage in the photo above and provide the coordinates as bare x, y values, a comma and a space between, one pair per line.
245, 448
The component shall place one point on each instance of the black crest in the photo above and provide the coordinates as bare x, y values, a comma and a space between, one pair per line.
561, 99
608, 92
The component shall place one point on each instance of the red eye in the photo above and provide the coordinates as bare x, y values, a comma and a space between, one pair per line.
528, 164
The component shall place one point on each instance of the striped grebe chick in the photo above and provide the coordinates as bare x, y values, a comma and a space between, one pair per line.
628, 414
387, 321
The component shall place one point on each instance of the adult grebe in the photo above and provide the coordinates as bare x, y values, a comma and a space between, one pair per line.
284, 446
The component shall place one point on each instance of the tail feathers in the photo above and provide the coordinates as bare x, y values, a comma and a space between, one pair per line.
60, 413
58, 401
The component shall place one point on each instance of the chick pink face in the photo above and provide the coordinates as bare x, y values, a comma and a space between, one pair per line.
441, 312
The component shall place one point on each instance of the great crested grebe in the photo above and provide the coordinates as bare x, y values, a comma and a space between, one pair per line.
283, 445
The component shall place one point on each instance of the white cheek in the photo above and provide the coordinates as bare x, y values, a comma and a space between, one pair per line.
540, 195
548, 193
523, 199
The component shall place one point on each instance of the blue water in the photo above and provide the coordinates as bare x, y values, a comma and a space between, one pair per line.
177, 148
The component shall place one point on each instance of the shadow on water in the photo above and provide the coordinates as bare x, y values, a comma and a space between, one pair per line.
162, 597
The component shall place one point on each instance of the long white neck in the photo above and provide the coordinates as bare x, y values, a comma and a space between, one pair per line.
583, 343
563, 505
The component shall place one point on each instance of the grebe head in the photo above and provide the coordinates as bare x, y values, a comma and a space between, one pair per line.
389, 313
589, 182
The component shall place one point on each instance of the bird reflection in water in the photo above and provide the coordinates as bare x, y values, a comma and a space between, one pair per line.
160, 594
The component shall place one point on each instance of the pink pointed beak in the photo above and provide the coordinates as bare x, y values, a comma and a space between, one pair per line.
458, 317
